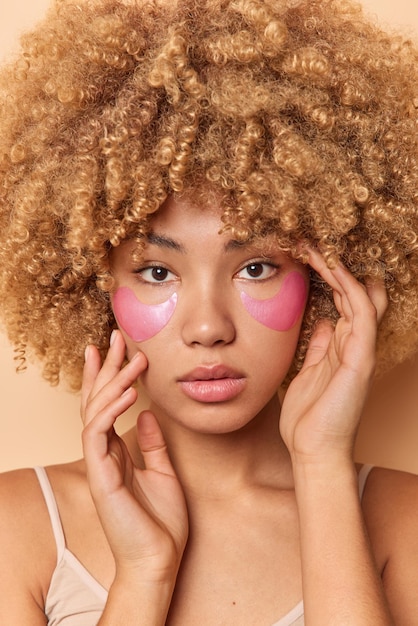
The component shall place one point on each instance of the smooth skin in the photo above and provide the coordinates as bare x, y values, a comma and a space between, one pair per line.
173, 526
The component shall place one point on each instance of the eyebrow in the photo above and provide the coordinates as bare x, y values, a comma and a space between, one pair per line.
234, 244
166, 242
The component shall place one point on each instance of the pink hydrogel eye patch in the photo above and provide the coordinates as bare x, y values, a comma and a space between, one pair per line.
141, 321
283, 310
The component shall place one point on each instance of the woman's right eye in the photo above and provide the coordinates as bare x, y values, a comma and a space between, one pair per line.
155, 274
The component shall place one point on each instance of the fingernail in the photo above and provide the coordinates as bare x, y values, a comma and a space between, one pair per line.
86, 353
113, 337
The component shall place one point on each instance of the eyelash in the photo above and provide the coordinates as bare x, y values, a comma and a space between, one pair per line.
263, 264
272, 266
140, 272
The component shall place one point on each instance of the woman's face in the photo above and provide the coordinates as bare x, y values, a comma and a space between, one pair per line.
217, 320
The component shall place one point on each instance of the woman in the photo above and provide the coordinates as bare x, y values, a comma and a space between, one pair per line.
190, 183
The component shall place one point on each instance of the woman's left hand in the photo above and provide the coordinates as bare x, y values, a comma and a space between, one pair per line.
323, 405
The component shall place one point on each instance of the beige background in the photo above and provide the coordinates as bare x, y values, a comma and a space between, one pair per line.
40, 425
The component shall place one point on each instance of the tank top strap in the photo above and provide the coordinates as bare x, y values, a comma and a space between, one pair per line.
362, 478
54, 515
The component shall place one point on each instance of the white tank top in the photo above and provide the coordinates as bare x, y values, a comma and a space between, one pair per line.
75, 598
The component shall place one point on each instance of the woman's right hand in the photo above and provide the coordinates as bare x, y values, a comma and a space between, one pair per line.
142, 509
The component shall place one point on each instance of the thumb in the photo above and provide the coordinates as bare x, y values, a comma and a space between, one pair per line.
152, 444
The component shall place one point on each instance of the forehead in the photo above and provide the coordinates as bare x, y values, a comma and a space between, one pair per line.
187, 221
181, 221
184, 219
183, 211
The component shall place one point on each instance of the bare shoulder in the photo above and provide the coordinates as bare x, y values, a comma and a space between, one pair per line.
390, 503
23, 508
390, 506
22, 501
27, 546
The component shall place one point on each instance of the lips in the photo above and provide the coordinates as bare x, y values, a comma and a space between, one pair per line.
212, 384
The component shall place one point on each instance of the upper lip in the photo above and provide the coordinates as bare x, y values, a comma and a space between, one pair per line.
212, 372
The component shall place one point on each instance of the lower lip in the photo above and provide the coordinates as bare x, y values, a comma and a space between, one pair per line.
220, 390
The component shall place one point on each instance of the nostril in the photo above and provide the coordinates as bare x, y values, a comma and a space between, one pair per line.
216, 333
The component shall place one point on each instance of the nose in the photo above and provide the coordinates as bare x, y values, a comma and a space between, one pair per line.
207, 319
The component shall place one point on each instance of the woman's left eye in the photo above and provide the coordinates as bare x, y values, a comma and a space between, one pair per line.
155, 274
258, 271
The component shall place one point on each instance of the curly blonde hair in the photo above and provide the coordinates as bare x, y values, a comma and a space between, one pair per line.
300, 114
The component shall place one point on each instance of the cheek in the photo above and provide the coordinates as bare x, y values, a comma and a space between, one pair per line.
141, 321
283, 310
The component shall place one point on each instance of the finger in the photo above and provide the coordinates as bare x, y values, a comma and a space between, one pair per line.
337, 277
350, 296
152, 444
112, 397
319, 343
113, 362
93, 375
99, 426
103, 385
99, 422
92, 365
377, 293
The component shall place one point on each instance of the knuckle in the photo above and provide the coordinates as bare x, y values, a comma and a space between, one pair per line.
88, 432
370, 310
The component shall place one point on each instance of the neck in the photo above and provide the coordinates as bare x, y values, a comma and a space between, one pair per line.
218, 466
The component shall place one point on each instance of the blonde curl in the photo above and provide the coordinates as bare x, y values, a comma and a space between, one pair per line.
300, 115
